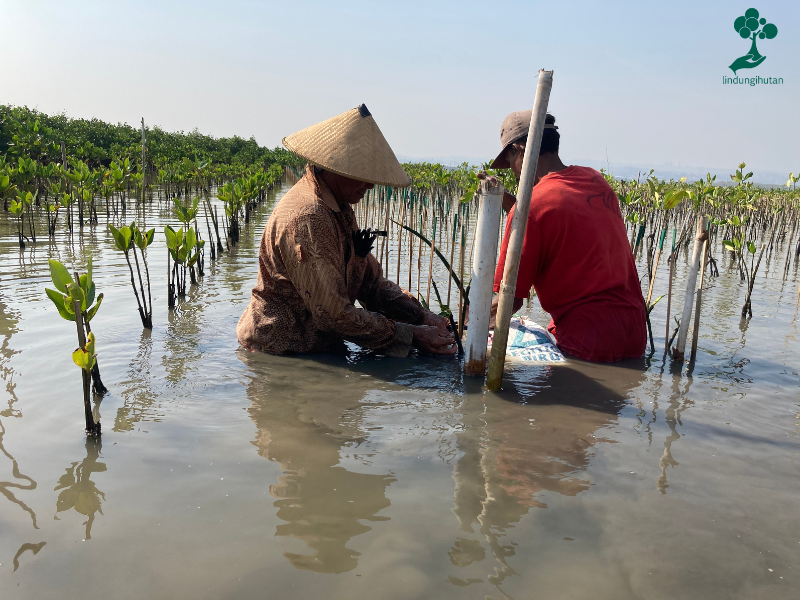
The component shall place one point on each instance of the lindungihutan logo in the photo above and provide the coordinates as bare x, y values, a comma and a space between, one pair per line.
752, 27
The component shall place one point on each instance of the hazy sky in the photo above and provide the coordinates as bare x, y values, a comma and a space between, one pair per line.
638, 81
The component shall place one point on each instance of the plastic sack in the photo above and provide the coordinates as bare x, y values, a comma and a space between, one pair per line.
529, 342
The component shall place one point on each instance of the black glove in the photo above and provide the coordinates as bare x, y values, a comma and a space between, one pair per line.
363, 239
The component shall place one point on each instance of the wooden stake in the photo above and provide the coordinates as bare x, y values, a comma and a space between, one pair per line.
696, 332
518, 226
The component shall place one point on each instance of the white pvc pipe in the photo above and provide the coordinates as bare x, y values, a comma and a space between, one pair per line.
691, 283
487, 234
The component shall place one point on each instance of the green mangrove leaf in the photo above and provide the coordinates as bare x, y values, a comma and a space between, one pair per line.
674, 198
751, 247
83, 359
76, 293
119, 238
653, 304
127, 235
172, 239
93, 310
90, 344
60, 276
61, 304
191, 238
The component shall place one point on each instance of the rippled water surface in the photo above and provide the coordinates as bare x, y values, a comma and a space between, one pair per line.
224, 474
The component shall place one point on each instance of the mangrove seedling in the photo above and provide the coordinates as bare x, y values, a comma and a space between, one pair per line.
17, 208
75, 301
127, 239
186, 216
179, 247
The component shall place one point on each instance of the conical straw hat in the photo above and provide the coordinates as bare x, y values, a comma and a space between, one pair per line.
352, 145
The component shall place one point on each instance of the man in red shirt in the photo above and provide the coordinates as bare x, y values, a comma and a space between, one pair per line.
576, 252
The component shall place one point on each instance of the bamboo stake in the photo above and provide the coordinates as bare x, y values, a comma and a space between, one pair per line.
696, 332
410, 244
386, 225
671, 261
655, 266
452, 239
400, 242
144, 170
461, 299
419, 252
430, 263
518, 227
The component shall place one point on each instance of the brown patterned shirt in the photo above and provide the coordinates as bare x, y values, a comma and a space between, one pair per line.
309, 278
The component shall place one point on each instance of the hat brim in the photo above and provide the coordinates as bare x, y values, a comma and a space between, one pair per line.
500, 161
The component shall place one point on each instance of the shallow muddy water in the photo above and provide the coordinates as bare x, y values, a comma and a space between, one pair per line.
225, 474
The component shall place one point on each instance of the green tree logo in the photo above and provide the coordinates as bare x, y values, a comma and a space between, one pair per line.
750, 26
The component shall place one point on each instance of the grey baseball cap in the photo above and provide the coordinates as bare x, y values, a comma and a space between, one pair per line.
514, 127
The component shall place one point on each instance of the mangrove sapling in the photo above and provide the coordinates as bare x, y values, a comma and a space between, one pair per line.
444, 311
233, 196
26, 172
179, 248
75, 301
187, 216
17, 209
7, 188
127, 239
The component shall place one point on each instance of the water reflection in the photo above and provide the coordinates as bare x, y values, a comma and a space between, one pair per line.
534, 438
34, 548
672, 416
7, 486
138, 395
78, 491
303, 427
8, 327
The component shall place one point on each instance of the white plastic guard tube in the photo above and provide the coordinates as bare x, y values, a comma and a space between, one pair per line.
505, 307
691, 282
487, 233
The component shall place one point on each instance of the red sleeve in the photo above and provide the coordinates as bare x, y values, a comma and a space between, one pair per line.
529, 261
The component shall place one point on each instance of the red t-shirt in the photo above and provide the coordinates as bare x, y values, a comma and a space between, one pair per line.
577, 256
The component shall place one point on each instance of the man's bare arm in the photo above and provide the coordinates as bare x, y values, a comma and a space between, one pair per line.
495, 301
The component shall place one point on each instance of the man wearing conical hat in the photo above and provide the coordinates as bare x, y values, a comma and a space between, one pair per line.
314, 261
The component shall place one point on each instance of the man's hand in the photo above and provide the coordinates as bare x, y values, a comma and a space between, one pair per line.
433, 340
435, 320
508, 199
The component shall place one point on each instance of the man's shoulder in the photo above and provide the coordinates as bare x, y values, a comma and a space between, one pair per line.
572, 189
